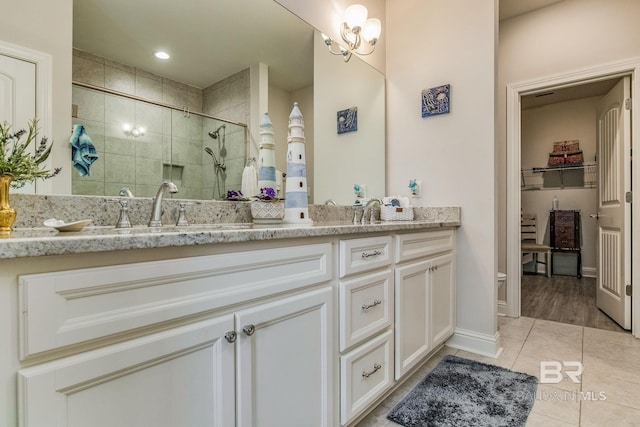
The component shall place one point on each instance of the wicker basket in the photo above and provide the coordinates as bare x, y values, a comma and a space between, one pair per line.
395, 213
566, 146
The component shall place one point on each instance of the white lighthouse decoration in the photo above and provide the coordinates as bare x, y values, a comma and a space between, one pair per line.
296, 208
267, 156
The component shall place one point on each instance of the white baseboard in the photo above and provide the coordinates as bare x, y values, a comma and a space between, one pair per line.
474, 342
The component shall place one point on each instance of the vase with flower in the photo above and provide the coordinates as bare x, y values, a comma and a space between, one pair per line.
20, 164
267, 208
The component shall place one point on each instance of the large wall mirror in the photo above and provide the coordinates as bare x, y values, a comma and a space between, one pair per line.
193, 118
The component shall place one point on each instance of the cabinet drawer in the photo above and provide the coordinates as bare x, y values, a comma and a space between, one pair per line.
365, 374
70, 307
366, 307
359, 255
418, 245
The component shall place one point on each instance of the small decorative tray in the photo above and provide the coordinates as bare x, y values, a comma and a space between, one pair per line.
60, 225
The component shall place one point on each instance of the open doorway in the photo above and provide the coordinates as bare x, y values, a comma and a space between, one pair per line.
559, 200
517, 95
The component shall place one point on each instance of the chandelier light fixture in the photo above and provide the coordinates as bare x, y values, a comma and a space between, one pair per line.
359, 33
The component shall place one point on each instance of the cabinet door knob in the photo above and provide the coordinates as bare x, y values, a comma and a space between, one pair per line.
231, 336
249, 330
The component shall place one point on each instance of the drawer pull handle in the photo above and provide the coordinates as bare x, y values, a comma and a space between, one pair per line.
376, 368
366, 255
249, 330
231, 336
368, 306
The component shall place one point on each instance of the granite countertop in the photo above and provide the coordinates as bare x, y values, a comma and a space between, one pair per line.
33, 242
224, 222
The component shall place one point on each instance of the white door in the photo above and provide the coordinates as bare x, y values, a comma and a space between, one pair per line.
285, 369
614, 213
413, 317
442, 298
18, 98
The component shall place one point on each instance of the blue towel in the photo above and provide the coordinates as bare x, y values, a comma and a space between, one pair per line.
83, 153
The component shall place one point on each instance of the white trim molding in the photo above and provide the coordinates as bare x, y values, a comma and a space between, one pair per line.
515, 91
474, 342
44, 105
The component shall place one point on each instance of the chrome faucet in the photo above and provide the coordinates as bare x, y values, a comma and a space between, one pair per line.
368, 208
156, 210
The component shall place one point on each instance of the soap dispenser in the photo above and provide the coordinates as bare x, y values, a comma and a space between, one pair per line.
555, 204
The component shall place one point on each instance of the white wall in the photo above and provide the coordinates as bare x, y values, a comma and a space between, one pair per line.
46, 26
540, 128
431, 43
564, 37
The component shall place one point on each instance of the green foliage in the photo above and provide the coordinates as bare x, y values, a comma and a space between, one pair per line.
17, 158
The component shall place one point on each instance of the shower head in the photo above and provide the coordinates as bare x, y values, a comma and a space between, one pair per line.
215, 133
216, 163
210, 152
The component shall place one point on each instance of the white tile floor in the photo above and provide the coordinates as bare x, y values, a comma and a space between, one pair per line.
611, 375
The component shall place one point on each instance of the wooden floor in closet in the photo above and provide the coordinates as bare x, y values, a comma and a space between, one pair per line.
564, 299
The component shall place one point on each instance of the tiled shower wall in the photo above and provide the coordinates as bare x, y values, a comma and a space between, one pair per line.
104, 73
229, 98
173, 144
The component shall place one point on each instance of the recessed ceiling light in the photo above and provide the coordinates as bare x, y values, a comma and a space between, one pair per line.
161, 55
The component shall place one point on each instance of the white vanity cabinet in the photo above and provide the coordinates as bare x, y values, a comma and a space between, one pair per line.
290, 332
240, 339
424, 295
366, 317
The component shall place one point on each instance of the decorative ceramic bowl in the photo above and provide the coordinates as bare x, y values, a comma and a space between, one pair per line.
60, 225
267, 212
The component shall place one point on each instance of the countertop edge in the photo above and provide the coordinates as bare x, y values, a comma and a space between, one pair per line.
94, 240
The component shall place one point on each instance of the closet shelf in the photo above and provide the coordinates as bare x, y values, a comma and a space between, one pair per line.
582, 175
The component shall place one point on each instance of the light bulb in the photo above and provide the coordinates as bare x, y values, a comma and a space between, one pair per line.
371, 30
356, 16
160, 54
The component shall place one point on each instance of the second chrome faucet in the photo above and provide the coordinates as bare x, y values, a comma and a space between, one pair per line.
156, 209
